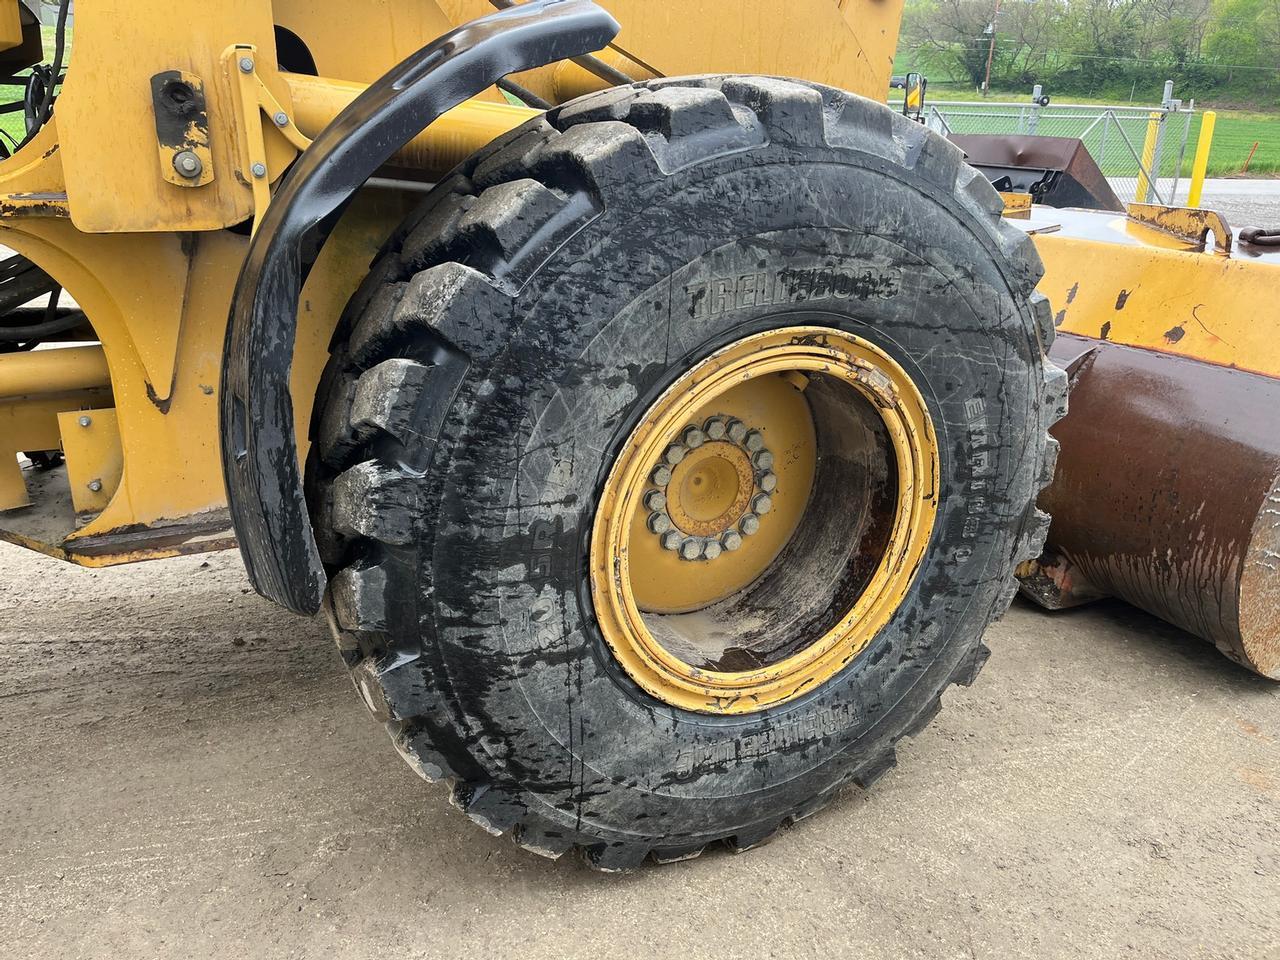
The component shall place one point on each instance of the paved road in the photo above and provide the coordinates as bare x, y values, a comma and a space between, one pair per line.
187, 773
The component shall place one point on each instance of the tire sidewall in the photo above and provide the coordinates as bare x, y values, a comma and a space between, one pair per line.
606, 325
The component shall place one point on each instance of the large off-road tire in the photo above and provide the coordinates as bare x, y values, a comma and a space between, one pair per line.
497, 375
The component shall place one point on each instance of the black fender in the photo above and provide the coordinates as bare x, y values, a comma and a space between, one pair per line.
259, 457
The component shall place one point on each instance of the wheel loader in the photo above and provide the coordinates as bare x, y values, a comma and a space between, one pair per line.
657, 418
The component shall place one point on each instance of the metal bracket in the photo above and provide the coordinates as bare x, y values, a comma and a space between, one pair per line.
182, 128
254, 101
1186, 223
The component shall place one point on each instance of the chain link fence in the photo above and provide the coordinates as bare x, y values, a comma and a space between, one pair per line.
1140, 150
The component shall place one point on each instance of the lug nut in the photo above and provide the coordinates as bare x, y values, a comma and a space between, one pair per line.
750, 524
769, 482
659, 523
694, 438
737, 430
675, 453
731, 540
672, 540
691, 549
753, 441
763, 460
762, 503
714, 428
711, 549
655, 500
661, 475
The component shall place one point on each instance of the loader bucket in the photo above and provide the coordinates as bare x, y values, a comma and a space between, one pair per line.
1056, 171
1167, 495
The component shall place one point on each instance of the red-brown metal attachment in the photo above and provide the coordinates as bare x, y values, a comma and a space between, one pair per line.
1167, 495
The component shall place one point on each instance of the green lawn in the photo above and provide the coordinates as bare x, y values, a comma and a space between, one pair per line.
1234, 135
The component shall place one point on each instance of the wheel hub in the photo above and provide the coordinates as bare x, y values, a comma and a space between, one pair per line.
721, 484
764, 520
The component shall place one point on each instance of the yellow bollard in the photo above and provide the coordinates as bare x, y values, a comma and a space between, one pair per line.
1148, 158
1201, 162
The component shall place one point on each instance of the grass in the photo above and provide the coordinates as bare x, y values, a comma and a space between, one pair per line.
1234, 134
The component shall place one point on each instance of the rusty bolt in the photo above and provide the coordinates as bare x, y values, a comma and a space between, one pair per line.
655, 500
659, 523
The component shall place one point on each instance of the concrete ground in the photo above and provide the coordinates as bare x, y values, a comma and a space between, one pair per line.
186, 772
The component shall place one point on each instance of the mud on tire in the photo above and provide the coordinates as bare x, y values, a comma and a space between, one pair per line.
512, 333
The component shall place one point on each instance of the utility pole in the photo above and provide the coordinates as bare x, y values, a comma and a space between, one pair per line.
991, 51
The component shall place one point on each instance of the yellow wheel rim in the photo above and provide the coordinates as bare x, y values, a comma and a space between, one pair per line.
764, 520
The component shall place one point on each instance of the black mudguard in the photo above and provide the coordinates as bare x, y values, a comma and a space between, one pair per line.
259, 457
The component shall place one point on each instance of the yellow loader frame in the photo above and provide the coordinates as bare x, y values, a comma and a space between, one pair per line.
109, 201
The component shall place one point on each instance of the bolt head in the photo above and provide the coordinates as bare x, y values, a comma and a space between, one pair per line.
661, 475
675, 453
715, 428
691, 549
85, 421
753, 441
187, 164
763, 459
694, 438
737, 431
95, 485
731, 541
655, 500
259, 170
711, 549
672, 540
750, 524
769, 482
762, 503
281, 119
659, 523
246, 64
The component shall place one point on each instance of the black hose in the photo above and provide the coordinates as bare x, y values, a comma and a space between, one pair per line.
55, 74
43, 329
1261, 236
